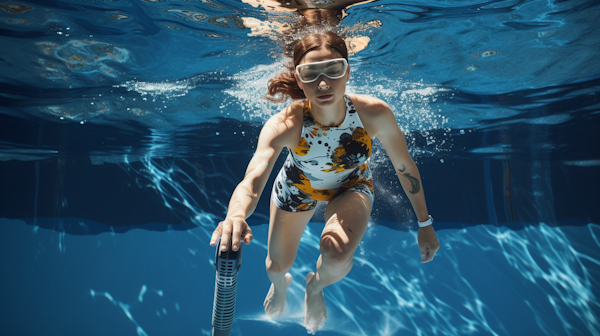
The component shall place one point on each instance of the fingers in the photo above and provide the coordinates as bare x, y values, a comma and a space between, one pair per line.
243, 232
225, 234
247, 235
216, 234
223, 231
428, 243
427, 253
237, 233
234, 231
424, 252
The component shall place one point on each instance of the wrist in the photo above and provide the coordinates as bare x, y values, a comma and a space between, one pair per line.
427, 222
235, 216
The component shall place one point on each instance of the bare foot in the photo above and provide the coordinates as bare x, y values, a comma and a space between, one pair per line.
315, 311
275, 300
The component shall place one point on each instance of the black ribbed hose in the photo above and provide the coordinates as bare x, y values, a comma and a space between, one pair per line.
228, 264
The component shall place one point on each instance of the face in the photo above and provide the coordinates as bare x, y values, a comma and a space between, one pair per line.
324, 91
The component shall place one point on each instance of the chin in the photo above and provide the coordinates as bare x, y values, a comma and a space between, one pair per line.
323, 102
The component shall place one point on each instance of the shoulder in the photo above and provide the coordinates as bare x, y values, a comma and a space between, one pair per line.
374, 113
368, 103
290, 114
284, 127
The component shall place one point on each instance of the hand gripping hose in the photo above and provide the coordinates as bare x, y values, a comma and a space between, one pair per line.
228, 264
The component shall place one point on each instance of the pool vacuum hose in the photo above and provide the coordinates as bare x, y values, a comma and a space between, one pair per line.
228, 264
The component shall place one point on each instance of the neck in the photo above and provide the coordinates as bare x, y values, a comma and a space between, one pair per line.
331, 115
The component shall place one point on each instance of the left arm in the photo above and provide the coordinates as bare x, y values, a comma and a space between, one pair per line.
395, 146
383, 124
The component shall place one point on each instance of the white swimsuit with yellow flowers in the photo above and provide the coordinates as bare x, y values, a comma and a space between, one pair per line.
329, 161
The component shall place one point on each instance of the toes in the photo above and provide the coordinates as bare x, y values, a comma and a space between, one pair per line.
268, 295
288, 279
311, 328
309, 276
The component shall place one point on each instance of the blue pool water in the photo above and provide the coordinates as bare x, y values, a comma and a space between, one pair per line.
487, 280
126, 125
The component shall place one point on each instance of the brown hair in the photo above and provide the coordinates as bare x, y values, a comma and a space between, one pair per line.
284, 83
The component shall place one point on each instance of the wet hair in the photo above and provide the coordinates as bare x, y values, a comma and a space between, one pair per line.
284, 83
320, 17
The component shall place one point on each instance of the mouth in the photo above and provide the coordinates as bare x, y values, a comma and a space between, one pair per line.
325, 96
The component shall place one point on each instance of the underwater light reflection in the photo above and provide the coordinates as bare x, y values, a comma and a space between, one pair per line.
562, 270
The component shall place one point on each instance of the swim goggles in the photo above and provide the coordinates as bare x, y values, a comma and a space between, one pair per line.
310, 72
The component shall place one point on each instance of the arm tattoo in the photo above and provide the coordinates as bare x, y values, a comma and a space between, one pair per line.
402, 169
414, 182
249, 195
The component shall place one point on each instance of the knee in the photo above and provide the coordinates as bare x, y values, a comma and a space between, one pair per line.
335, 253
277, 266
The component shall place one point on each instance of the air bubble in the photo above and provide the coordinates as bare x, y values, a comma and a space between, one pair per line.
489, 53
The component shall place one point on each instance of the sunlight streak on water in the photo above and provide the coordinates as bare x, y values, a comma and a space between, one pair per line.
544, 255
485, 280
142, 292
61, 242
389, 292
167, 180
372, 287
124, 307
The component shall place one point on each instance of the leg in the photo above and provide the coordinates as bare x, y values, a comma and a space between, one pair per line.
347, 218
285, 231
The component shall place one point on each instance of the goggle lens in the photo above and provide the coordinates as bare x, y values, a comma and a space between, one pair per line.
310, 72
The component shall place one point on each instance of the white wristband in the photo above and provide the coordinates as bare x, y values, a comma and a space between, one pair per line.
427, 222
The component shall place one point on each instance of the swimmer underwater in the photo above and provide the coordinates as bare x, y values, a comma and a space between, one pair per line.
328, 134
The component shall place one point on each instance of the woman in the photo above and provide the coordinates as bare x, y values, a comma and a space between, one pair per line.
329, 137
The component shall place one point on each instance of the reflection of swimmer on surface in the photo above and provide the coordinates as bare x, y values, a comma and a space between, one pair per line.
328, 13
329, 136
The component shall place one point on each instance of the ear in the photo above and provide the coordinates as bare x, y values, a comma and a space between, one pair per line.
298, 80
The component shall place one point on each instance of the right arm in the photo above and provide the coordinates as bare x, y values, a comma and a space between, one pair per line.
278, 132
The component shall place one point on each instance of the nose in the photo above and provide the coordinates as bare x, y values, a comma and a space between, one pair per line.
323, 84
